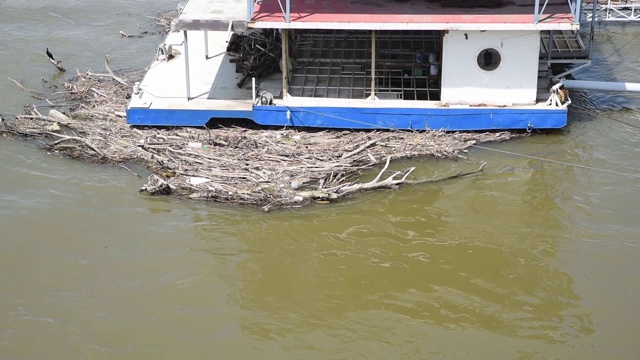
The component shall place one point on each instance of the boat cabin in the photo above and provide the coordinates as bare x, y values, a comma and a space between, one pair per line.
374, 64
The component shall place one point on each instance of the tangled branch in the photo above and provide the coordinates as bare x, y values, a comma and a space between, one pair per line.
230, 164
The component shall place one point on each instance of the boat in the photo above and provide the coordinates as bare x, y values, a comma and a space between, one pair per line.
363, 64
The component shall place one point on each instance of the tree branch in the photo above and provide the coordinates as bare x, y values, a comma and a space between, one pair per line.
84, 141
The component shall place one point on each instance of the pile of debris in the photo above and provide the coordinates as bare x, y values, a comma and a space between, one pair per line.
270, 168
259, 54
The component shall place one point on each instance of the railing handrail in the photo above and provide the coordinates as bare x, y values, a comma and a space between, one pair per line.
574, 5
286, 10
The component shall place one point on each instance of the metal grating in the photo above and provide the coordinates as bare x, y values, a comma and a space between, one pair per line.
337, 64
612, 10
565, 44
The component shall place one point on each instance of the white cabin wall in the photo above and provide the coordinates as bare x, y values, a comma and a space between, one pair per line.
513, 82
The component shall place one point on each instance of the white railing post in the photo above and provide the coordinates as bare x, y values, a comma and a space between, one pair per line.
285, 63
249, 10
373, 64
287, 15
186, 65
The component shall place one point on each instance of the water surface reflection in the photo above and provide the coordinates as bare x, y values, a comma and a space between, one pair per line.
529, 259
401, 275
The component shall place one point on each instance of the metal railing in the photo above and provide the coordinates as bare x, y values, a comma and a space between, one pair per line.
574, 5
286, 9
621, 10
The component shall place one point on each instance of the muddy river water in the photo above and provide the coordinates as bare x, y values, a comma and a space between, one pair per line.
530, 259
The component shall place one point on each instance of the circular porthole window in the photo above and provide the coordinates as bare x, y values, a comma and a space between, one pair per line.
489, 59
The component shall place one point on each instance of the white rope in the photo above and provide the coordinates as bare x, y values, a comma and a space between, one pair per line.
558, 162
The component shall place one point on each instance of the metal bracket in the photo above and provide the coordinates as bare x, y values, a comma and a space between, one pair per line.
164, 50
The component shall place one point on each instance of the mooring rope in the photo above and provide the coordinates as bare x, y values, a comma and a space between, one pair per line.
557, 161
608, 56
578, 107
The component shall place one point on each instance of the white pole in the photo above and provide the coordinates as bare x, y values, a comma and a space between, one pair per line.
373, 64
206, 45
253, 90
601, 85
288, 11
186, 65
285, 63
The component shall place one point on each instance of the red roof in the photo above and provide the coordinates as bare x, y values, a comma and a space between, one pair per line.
411, 12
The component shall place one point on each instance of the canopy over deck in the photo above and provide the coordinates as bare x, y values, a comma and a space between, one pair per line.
213, 15
414, 15
383, 14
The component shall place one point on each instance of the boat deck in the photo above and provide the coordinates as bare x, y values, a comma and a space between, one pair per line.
342, 72
321, 99
212, 79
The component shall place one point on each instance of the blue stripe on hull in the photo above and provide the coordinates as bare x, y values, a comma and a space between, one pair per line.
451, 119
180, 117
413, 118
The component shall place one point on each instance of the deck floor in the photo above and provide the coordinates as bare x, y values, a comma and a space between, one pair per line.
212, 78
162, 100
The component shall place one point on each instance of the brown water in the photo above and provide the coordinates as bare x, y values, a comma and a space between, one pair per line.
528, 260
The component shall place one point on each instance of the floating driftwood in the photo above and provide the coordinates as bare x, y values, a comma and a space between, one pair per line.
53, 61
162, 23
163, 19
270, 168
